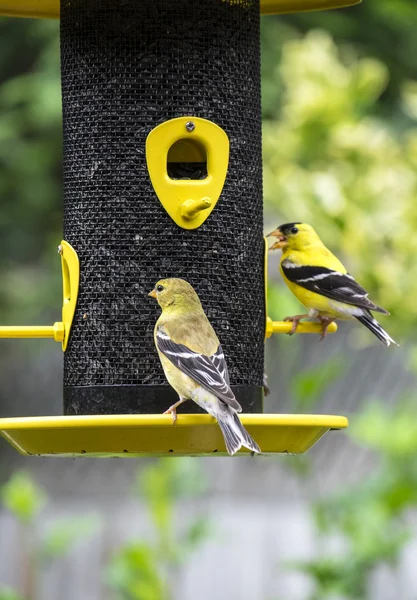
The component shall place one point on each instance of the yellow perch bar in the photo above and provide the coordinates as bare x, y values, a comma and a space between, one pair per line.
306, 327
56, 332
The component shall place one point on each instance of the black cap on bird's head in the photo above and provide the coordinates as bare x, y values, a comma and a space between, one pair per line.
288, 228
294, 236
282, 233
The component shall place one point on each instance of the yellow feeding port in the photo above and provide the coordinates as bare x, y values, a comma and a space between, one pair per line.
139, 435
51, 8
187, 160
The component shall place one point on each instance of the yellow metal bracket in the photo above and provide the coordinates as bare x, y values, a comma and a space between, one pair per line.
189, 140
59, 331
70, 284
284, 326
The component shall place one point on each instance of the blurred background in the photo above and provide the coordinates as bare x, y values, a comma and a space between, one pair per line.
340, 152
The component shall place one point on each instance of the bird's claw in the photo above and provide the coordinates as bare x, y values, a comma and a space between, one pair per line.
171, 411
294, 320
293, 328
325, 322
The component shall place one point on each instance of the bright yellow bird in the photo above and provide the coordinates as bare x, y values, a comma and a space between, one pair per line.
321, 283
193, 360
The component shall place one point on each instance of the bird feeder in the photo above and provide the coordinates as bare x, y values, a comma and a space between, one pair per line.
162, 178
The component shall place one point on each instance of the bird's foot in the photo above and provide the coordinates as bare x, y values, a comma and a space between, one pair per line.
172, 410
295, 320
325, 322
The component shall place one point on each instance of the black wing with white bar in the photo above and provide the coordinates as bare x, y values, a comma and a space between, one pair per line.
331, 284
209, 371
220, 363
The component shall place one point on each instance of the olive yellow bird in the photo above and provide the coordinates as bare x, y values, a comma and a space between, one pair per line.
321, 283
193, 360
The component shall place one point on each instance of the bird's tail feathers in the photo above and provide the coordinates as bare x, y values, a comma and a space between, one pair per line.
235, 435
372, 324
381, 310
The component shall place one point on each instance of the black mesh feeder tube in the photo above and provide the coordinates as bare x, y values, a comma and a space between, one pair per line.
162, 178
128, 67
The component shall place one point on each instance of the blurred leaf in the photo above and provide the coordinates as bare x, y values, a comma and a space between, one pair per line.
371, 79
9, 594
282, 303
412, 360
21, 496
64, 534
369, 517
409, 98
300, 464
389, 430
145, 571
166, 482
197, 533
133, 574
310, 384
31, 165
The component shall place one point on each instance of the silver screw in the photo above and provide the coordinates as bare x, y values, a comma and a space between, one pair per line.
60, 249
190, 126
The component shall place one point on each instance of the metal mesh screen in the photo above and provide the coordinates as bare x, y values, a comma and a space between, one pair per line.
127, 66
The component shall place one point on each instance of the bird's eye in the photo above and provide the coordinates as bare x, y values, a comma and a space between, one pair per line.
159, 288
294, 230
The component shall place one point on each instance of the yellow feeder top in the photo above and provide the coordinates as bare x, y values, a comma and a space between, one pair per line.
50, 8
141, 435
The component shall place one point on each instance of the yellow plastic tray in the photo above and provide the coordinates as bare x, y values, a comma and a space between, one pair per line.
50, 8
137, 435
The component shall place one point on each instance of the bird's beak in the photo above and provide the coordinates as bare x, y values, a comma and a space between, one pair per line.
282, 240
152, 294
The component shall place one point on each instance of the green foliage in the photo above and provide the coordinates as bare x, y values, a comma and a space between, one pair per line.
412, 359
25, 499
370, 517
146, 570
330, 162
8, 594
64, 534
281, 303
164, 483
139, 570
30, 163
381, 29
310, 384
22, 497
135, 575
372, 427
163, 486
